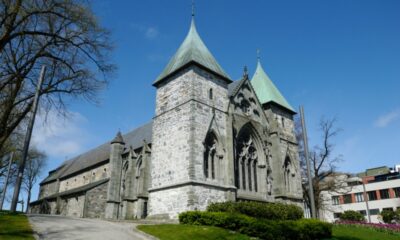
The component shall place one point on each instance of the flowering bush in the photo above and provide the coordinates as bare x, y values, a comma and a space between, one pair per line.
393, 228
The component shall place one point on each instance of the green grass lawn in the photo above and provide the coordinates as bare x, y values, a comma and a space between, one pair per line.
14, 226
180, 232
184, 232
341, 232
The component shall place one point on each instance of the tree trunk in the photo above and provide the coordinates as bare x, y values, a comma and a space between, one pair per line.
28, 200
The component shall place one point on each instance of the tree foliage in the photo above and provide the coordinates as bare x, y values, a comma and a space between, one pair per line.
63, 35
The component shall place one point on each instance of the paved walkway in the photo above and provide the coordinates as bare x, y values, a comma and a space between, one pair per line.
69, 228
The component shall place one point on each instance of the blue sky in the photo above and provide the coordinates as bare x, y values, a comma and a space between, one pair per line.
337, 58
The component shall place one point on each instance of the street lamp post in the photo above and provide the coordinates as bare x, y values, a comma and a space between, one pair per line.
310, 184
27, 141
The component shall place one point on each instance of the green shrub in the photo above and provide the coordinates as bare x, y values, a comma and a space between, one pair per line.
351, 215
313, 229
388, 216
271, 211
303, 229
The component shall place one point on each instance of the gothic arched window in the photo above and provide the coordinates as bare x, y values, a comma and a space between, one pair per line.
245, 106
124, 177
210, 156
287, 166
246, 160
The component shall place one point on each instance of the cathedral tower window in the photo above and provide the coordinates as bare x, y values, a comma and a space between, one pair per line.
288, 173
210, 156
210, 94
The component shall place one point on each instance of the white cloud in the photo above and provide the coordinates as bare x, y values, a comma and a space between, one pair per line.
149, 32
59, 136
388, 118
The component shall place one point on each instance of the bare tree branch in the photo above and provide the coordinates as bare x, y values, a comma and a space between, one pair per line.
65, 36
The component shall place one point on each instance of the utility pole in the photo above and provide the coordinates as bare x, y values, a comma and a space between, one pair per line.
366, 200
27, 141
310, 184
7, 178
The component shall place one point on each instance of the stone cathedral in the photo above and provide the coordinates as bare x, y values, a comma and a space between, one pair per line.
212, 139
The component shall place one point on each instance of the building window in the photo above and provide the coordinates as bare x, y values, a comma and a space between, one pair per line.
359, 197
210, 156
347, 198
397, 192
384, 193
363, 212
246, 160
335, 200
374, 211
210, 94
372, 196
387, 209
337, 215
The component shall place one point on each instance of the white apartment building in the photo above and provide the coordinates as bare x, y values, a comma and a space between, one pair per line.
376, 189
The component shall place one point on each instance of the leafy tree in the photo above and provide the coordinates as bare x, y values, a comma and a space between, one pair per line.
63, 35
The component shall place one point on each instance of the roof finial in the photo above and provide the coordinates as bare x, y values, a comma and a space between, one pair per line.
258, 54
245, 74
192, 8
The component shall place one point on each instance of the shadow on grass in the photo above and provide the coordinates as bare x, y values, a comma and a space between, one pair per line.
345, 238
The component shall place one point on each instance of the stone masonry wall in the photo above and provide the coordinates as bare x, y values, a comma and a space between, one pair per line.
96, 200
48, 189
287, 146
184, 113
167, 204
75, 205
209, 114
84, 178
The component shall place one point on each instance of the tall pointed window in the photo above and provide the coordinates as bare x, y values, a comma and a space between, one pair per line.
288, 172
246, 161
210, 156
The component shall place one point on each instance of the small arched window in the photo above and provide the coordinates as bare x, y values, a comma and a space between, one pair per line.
210, 94
210, 156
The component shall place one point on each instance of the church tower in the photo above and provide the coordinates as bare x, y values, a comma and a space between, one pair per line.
285, 159
189, 126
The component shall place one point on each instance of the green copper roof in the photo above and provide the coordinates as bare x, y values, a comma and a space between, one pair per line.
266, 90
192, 50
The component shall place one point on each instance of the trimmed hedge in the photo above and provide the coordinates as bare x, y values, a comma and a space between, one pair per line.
303, 229
351, 215
270, 211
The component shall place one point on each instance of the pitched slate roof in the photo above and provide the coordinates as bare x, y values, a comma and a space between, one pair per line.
101, 153
266, 90
192, 49
233, 87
